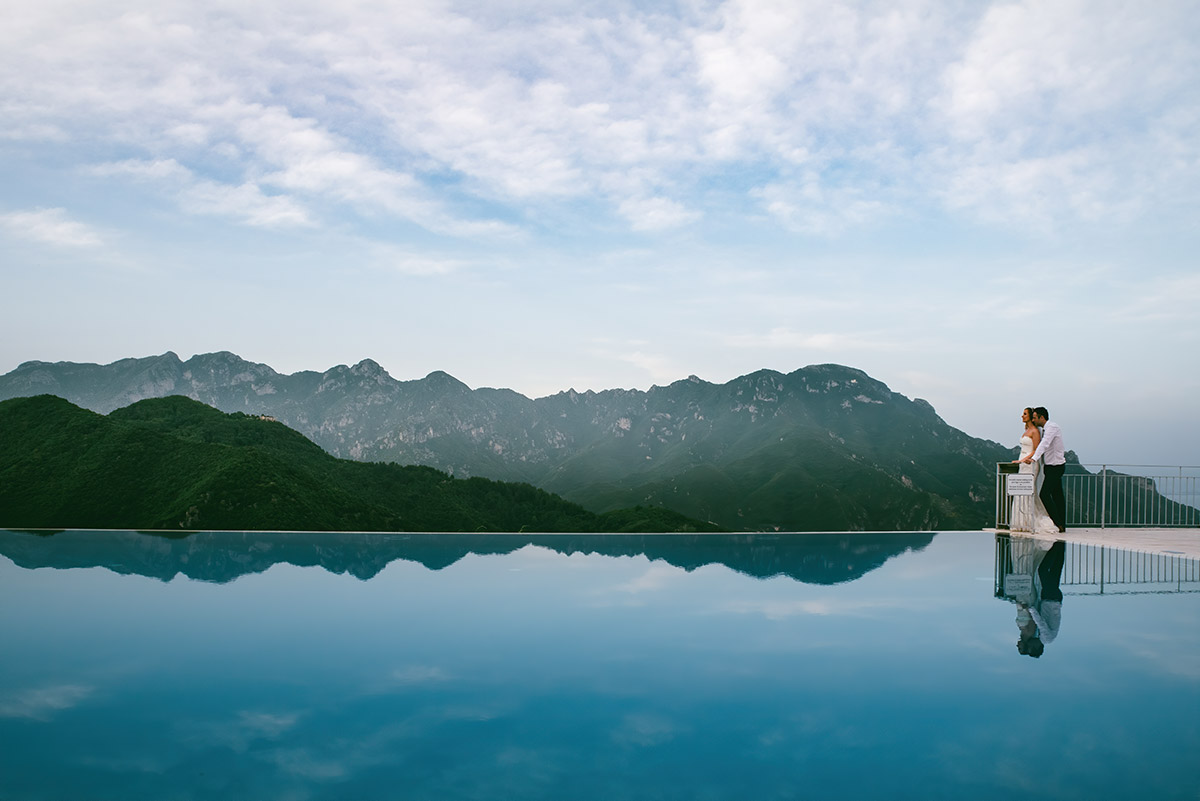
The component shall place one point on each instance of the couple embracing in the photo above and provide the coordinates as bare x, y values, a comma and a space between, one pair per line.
1043, 454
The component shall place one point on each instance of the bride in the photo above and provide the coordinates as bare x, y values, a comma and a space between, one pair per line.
1028, 512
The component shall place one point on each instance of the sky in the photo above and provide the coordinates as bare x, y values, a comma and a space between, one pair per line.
987, 206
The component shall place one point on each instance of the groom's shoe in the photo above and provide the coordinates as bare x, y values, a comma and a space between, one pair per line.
1062, 529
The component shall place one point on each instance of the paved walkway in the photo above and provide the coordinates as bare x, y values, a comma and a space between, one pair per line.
1174, 541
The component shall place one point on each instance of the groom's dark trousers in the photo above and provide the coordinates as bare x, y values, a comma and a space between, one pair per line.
1052, 494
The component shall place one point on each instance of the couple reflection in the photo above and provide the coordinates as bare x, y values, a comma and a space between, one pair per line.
1031, 569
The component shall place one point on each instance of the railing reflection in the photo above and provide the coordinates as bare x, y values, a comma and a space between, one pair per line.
1104, 570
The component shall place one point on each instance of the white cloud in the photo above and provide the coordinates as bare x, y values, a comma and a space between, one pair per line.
787, 339
839, 111
657, 213
1164, 299
415, 263
51, 227
1031, 62
160, 170
246, 202
1062, 111
656, 366
808, 206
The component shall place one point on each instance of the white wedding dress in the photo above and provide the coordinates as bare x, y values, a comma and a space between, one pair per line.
1028, 512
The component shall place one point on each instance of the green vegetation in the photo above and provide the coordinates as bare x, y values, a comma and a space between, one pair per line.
174, 463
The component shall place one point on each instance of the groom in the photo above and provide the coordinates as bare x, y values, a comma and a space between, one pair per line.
1055, 462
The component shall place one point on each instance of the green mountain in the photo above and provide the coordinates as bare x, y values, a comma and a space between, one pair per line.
174, 463
825, 447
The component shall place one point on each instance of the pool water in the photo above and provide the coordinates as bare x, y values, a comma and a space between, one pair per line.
319, 666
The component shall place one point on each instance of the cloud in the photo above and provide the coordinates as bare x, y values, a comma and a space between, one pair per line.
1165, 299
1063, 111
51, 227
472, 121
784, 338
1032, 62
245, 202
655, 213
809, 206
658, 367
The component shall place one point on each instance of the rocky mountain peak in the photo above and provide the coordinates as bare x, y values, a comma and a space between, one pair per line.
443, 381
369, 368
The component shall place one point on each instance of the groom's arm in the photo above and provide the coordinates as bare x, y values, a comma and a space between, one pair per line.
1050, 434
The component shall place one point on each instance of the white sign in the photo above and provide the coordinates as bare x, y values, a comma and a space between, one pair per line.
1018, 584
1020, 484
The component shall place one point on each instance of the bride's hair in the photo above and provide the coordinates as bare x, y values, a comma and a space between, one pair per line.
1029, 411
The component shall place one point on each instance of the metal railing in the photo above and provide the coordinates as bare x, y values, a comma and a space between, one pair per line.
1103, 570
1103, 496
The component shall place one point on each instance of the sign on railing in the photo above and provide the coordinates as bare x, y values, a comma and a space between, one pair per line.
1021, 484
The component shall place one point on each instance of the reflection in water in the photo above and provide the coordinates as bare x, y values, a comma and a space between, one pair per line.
554, 673
1029, 570
224, 556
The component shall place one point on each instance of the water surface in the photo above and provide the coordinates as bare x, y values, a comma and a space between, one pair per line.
321, 666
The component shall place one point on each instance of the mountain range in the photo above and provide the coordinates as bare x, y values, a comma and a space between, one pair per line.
825, 447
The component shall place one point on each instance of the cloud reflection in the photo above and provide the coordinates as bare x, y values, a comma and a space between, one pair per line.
657, 577
813, 607
41, 703
646, 730
419, 674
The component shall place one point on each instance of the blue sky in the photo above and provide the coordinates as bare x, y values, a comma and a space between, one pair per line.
986, 206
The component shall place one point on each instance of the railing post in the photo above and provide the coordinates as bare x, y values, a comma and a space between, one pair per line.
1103, 494
998, 494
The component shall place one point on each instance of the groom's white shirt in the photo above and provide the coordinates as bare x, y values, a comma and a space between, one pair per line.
1051, 446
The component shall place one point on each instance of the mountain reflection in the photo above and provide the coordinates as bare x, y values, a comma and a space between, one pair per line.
224, 556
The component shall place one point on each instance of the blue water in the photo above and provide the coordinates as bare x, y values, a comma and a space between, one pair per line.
462, 667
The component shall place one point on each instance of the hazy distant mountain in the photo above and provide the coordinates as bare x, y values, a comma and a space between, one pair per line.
174, 463
823, 448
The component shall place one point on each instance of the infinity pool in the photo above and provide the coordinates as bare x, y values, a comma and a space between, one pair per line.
317, 666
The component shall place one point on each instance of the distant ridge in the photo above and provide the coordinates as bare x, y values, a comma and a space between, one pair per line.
825, 447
